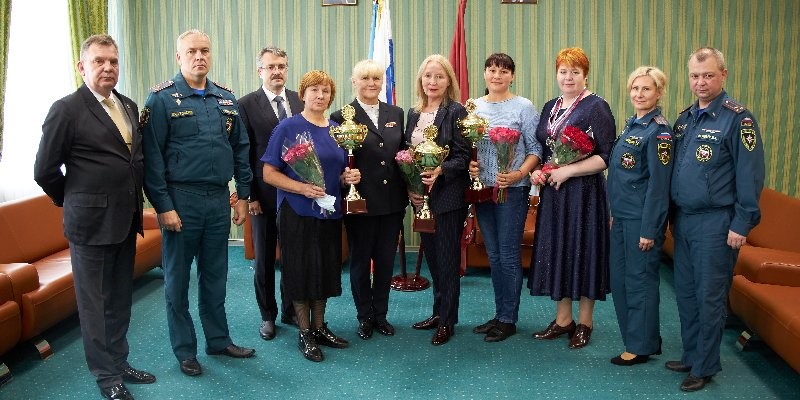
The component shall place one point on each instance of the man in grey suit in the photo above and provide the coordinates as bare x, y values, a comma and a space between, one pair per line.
93, 133
261, 112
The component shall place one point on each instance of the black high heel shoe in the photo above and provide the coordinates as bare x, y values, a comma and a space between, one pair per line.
618, 360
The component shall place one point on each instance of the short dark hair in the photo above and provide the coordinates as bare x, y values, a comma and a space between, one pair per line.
501, 60
100, 40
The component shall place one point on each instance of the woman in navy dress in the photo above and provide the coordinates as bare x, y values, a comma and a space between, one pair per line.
571, 245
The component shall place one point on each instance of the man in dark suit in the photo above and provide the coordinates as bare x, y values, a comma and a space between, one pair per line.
261, 112
93, 133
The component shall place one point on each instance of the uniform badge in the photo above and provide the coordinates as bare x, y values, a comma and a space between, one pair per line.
633, 140
703, 153
161, 86
664, 150
225, 102
145, 117
628, 161
229, 112
679, 129
664, 136
181, 114
390, 124
748, 138
747, 122
229, 125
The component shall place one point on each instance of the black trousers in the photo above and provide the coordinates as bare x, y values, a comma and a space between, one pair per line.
265, 238
103, 278
443, 253
372, 241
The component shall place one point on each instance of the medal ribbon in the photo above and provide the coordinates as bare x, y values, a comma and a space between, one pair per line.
554, 122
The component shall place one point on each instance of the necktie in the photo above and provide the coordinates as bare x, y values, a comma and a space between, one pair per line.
119, 121
281, 108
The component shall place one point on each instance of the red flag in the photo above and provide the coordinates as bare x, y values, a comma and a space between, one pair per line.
458, 53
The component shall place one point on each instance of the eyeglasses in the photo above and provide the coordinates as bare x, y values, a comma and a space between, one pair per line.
275, 67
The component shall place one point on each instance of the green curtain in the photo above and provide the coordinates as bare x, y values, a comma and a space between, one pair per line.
86, 18
5, 19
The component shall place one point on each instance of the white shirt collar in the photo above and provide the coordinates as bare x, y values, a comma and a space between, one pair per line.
271, 96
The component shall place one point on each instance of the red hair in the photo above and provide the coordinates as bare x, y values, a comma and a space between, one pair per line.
573, 57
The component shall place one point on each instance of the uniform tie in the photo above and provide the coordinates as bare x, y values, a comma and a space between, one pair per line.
281, 108
119, 121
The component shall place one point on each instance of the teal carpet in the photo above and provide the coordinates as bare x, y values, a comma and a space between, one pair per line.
403, 366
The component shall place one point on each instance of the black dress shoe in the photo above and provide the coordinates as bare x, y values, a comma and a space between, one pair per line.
555, 330
191, 367
500, 332
325, 337
384, 328
618, 360
133, 375
693, 383
289, 320
116, 392
429, 323
233, 351
442, 335
267, 330
364, 329
308, 346
485, 327
677, 366
581, 337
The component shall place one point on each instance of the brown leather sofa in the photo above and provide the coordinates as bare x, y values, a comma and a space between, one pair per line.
476, 251
36, 287
765, 294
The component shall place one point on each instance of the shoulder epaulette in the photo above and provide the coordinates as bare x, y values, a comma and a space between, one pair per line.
686, 109
733, 106
661, 120
223, 87
161, 86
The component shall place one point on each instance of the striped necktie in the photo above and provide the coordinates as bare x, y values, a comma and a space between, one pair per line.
281, 108
119, 121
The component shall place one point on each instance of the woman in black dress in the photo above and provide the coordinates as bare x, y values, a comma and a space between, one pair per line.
571, 246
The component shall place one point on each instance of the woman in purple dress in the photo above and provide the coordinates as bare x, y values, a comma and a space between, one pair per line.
571, 246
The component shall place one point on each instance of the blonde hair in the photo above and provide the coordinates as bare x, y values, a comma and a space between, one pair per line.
367, 68
452, 94
703, 53
314, 78
654, 73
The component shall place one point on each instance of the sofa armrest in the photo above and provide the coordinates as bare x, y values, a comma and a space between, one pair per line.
24, 278
769, 266
6, 292
150, 219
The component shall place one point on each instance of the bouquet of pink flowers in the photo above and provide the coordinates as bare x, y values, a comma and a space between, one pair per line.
303, 160
573, 145
505, 141
411, 172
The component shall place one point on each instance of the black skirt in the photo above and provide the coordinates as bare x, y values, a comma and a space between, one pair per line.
311, 255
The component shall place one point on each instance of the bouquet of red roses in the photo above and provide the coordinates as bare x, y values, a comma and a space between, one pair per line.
303, 160
411, 172
505, 141
573, 145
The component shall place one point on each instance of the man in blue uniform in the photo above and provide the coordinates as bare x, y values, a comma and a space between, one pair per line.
194, 142
716, 183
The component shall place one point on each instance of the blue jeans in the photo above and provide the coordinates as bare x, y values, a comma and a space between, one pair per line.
501, 227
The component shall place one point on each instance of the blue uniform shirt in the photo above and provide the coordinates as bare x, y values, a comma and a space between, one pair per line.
639, 172
194, 141
719, 162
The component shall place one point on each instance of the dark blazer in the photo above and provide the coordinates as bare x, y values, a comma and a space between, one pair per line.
447, 194
102, 189
381, 184
259, 120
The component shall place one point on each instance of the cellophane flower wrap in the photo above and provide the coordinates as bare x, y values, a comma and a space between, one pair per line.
505, 141
299, 154
571, 146
411, 172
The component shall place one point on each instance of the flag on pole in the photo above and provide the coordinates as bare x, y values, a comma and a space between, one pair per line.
458, 53
381, 48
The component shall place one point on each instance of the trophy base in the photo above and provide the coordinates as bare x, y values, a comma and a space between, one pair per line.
426, 225
409, 283
473, 196
358, 206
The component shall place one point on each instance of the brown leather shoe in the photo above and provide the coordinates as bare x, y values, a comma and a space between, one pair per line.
694, 383
429, 323
581, 337
442, 335
554, 330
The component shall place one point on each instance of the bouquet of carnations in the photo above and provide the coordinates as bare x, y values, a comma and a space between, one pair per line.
411, 172
301, 157
505, 141
573, 145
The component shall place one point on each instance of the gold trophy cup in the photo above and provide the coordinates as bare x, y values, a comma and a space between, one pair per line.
427, 155
472, 128
350, 135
